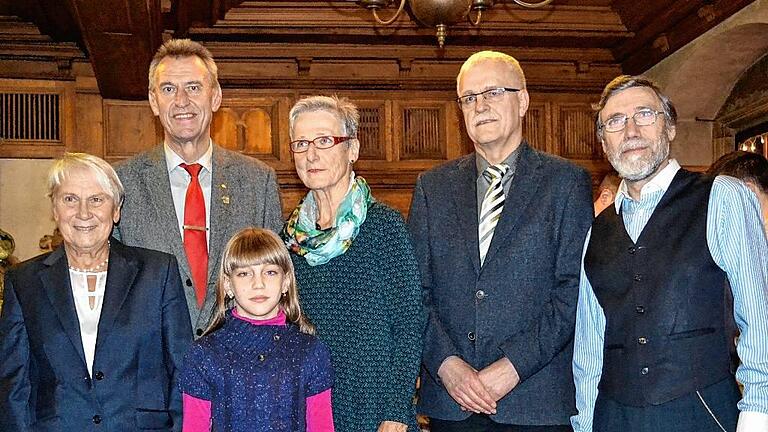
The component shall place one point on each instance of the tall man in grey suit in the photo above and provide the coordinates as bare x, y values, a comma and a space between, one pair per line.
498, 235
188, 196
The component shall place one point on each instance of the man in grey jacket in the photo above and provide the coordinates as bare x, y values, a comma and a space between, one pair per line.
498, 235
188, 196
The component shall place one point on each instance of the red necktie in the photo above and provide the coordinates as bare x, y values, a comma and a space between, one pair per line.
195, 243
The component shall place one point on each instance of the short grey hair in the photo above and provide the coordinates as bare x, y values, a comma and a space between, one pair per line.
105, 174
482, 56
344, 110
178, 48
624, 82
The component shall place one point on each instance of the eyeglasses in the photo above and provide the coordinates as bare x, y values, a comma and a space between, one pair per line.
321, 143
643, 117
490, 95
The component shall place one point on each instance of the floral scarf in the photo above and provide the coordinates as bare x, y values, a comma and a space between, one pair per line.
317, 246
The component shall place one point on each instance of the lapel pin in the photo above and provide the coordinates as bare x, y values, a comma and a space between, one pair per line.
224, 198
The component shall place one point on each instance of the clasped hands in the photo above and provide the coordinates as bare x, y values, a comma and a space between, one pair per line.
478, 391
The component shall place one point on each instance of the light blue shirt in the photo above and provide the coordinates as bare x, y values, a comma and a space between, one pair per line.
737, 243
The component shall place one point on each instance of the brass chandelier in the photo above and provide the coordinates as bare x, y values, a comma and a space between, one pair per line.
441, 13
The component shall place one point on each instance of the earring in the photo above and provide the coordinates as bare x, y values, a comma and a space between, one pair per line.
351, 161
284, 293
230, 294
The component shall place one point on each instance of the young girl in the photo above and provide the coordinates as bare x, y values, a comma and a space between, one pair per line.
258, 366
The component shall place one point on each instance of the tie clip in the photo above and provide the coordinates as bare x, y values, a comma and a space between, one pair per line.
195, 228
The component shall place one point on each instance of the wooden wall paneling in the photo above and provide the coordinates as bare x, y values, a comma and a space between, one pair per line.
40, 118
255, 123
576, 129
89, 112
130, 127
537, 126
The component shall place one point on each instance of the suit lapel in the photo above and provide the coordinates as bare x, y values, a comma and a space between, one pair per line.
120, 276
55, 279
521, 192
166, 223
465, 200
221, 210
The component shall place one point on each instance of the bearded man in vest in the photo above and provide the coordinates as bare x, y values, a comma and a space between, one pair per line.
651, 349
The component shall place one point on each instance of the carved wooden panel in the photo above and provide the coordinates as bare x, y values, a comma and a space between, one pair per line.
576, 129
423, 131
250, 123
535, 126
36, 118
420, 126
129, 128
370, 131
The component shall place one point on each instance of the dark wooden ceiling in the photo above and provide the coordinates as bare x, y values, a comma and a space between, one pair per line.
118, 37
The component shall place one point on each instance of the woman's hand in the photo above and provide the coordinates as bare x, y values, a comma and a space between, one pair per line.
392, 426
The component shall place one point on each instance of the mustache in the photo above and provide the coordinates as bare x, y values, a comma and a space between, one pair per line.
635, 143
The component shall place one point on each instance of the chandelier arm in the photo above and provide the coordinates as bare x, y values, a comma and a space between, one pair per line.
393, 18
475, 22
533, 5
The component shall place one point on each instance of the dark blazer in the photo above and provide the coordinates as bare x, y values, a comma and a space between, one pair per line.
243, 193
142, 338
522, 303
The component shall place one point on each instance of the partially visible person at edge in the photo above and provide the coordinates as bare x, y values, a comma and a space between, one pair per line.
752, 169
357, 276
195, 193
7, 245
93, 334
497, 234
652, 348
606, 192
258, 368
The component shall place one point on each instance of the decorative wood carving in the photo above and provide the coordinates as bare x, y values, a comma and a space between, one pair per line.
36, 118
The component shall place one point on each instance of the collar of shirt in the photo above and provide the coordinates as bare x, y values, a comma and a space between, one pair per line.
511, 160
173, 160
659, 182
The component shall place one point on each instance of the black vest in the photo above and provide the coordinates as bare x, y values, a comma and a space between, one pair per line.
662, 298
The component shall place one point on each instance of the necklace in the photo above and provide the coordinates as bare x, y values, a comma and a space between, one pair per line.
101, 267
98, 268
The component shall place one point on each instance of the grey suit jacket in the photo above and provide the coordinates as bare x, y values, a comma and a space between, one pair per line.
522, 302
244, 193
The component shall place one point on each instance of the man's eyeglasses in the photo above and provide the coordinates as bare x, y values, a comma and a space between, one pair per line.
320, 143
490, 95
643, 117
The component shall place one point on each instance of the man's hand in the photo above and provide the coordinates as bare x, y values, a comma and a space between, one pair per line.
499, 378
392, 426
463, 384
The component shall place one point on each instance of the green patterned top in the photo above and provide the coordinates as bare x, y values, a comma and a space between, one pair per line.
367, 307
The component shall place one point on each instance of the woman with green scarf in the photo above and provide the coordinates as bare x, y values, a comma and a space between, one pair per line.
357, 275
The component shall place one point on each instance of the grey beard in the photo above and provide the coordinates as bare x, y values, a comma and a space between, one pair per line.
631, 172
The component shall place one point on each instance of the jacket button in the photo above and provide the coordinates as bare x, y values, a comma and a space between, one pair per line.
189, 282
632, 250
642, 340
99, 375
639, 309
262, 357
276, 337
644, 371
471, 336
638, 278
199, 332
96, 419
480, 294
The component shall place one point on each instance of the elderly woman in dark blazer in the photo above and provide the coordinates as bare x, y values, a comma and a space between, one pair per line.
357, 275
91, 334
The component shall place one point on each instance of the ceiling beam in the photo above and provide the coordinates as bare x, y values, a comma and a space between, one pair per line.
121, 38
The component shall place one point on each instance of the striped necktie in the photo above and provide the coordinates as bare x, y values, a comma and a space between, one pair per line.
493, 204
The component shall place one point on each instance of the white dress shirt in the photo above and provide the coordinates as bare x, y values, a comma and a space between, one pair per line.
180, 179
88, 318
